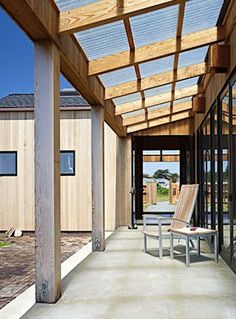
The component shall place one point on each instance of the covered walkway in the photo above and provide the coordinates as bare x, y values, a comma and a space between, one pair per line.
123, 282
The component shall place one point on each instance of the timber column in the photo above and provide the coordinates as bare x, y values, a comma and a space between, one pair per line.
47, 172
98, 231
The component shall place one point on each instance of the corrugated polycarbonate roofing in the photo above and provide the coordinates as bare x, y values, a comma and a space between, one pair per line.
147, 28
201, 14
192, 56
158, 90
154, 26
186, 99
103, 40
65, 5
127, 98
159, 106
134, 113
118, 77
186, 83
156, 66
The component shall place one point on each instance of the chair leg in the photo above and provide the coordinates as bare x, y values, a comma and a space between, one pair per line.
192, 243
216, 247
187, 252
160, 241
145, 243
171, 246
198, 246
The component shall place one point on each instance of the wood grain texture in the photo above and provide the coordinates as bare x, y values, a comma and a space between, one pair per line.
17, 192
156, 50
158, 99
107, 11
155, 81
98, 220
184, 106
159, 121
47, 172
181, 127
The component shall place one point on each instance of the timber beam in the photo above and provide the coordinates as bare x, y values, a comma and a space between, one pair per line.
107, 11
199, 104
157, 99
156, 50
160, 121
155, 81
151, 115
40, 20
219, 58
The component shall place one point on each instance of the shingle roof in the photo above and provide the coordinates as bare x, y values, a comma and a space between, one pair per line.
68, 99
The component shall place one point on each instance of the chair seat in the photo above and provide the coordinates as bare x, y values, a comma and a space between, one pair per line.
151, 234
197, 231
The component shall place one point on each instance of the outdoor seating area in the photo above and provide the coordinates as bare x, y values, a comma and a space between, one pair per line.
125, 282
119, 118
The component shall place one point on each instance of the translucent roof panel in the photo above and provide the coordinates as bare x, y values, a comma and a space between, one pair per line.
156, 66
186, 83
103, 40
158, 90
158, 107
201, 14
154, 26
186, 99
135, 113
192, 56
127, 98
118, 77
65, 5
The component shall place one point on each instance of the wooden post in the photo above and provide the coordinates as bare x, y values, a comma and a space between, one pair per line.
98, 232
219, 58
47, 172
199, 104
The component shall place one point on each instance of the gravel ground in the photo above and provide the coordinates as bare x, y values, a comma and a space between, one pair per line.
17, 262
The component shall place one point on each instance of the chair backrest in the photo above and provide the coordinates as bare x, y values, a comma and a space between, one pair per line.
185, 206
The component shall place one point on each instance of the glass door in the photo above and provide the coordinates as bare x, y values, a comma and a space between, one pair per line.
232, 250
161, 180
225, 179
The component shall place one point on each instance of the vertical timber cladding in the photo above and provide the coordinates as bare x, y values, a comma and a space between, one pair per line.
183, 143
17, 201
47, 172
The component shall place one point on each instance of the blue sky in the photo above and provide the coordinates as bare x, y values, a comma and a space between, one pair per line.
17, 59
151, 168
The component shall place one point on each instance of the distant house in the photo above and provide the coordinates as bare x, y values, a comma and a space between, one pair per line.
163, 182
17, 164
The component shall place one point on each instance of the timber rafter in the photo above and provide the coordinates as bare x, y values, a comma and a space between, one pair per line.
43, 20
107, 11
158, 99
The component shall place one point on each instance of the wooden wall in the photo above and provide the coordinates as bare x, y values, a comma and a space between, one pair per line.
182, 127
218, 80
17, 192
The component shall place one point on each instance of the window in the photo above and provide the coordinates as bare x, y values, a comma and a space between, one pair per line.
8, 163
67, 162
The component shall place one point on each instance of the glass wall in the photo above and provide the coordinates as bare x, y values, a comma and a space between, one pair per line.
217, 171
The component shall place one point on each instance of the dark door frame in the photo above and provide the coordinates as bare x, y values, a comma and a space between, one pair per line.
184, 143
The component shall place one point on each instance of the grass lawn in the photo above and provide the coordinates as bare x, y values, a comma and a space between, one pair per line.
4, 244
162, 198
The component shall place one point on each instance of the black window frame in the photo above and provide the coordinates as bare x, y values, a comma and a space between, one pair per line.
10, 152
68, 174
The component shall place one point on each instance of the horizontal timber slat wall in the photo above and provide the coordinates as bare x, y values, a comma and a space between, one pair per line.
17, 192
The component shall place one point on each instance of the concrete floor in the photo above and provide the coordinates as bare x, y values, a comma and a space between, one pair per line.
123, 282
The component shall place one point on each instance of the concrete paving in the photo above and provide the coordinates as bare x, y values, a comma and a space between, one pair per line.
124, 282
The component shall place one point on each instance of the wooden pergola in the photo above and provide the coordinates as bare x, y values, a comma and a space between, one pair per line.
63, 33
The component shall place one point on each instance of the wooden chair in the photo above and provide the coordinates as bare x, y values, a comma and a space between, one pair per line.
152, 224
